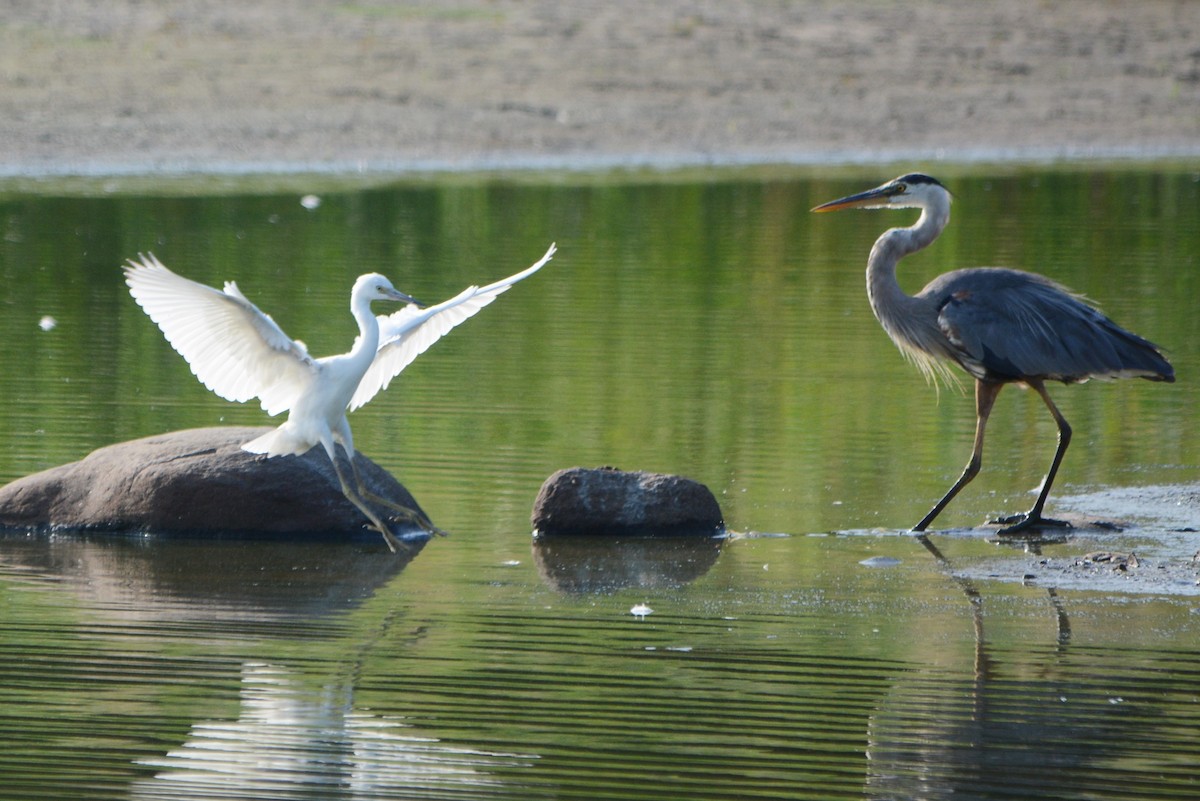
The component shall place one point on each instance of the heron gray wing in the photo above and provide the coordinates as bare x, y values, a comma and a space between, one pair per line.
235, 349
406, 334
1009, 325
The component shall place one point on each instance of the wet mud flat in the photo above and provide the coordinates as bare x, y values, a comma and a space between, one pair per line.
1128, 540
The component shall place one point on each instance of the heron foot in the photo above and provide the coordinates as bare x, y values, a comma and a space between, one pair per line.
1026, 521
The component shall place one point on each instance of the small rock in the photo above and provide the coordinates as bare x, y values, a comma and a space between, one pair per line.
1117, 561
608, 501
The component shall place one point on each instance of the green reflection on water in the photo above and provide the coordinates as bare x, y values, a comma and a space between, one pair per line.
786, 670
710, 327
707, 326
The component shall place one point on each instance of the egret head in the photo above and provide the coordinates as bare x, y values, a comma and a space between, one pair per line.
374, 286
912, 191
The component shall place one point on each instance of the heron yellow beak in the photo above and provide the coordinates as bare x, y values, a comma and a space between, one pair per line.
871, 199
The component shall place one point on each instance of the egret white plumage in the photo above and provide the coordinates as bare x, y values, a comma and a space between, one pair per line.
1000, 325
240, 353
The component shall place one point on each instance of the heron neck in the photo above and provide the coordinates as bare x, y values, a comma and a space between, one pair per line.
895, 244
898, 312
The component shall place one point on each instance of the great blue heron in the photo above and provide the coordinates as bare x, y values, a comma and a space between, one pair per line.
1001, 326
240, 353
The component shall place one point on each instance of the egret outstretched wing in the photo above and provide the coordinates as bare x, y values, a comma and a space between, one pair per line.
408, 333
233, 348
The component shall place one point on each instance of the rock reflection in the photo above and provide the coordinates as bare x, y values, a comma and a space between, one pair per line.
580, 565
292, 740
207, 580
269, 728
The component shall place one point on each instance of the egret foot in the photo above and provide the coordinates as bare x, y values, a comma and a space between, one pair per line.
402, 513
411, 515
394, 545
1026, 521
399, 510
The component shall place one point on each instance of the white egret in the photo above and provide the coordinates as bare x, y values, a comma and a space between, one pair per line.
240, 353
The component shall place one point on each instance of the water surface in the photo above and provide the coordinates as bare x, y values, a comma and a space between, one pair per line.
706, 325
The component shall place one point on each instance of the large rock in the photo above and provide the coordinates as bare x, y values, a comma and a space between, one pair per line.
607, 501
199, 482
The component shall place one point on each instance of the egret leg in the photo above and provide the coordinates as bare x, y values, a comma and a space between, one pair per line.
1033, 518
392, 543
985, 398
411, 515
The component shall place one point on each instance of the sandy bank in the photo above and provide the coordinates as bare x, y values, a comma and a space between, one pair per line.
231, 86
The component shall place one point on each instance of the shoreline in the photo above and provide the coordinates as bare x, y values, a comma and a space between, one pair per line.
532, 163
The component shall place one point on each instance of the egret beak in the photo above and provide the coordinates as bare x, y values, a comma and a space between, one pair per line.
876, 198
400, 297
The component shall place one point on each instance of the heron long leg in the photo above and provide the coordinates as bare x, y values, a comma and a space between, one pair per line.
392, 543
1033, 518
409, 514
985, 398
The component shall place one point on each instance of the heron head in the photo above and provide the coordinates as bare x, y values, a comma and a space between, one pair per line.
374, 286
908, 191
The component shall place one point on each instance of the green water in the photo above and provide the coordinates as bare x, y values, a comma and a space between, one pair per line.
704, 324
